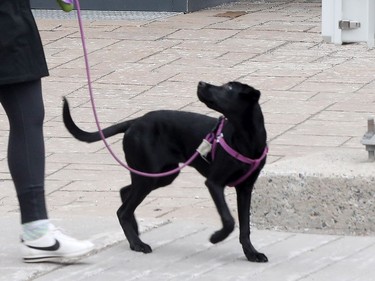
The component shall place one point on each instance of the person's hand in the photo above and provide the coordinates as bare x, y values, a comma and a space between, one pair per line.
66, 5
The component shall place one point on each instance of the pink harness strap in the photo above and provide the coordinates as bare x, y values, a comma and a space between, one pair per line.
254, 163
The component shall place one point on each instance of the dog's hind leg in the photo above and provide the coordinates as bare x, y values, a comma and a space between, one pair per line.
124, 194
243, 205
217, 194
132, 196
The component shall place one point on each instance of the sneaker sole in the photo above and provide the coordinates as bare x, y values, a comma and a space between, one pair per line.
58, 259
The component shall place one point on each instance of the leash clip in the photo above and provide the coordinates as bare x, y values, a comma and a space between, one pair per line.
218, 137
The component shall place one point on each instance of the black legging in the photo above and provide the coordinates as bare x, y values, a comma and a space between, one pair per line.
23, 104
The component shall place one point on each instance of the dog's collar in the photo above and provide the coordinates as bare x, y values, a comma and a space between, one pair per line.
219, 139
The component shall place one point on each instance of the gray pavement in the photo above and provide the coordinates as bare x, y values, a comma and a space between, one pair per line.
316, 187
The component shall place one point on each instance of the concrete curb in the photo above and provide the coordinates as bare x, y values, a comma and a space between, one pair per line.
329, 192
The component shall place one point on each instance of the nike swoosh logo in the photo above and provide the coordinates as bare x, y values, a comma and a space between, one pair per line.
54, 247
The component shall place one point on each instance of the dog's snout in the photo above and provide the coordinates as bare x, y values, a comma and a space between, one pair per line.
201, 84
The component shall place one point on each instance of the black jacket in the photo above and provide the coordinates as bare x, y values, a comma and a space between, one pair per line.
21, 52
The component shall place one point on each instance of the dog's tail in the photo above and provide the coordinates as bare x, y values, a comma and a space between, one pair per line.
90, 136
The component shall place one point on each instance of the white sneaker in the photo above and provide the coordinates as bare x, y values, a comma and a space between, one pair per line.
54, 246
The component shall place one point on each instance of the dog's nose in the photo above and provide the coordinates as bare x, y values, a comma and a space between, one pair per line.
201, 84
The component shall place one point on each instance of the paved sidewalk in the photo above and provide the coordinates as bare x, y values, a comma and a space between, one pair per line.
316, 98
181, 251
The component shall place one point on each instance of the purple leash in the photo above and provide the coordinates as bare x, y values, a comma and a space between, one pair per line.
203, 149
152, 175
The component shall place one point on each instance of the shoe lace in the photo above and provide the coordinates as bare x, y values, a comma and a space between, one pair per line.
59, 232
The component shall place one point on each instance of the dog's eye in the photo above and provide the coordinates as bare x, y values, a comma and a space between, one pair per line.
229, 87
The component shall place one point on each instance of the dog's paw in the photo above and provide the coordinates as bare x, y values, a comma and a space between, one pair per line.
256, 257
219, 236
141, 247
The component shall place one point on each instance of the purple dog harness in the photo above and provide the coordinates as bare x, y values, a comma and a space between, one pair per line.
218, 138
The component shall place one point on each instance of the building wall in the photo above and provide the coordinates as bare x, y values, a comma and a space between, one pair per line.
137, 5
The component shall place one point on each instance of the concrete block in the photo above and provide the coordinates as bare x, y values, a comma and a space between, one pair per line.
329, 192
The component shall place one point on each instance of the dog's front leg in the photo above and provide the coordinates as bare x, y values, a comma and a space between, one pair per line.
217, 194
243, 206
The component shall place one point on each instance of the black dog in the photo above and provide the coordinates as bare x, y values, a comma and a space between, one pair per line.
158, 141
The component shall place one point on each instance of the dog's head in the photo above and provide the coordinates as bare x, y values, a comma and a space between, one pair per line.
230, 99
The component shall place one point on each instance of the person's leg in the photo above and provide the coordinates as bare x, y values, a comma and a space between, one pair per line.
23, 104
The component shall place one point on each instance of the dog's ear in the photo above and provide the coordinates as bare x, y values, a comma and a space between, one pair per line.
252, 94
255, 94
